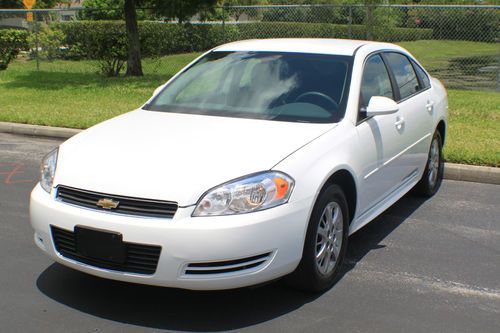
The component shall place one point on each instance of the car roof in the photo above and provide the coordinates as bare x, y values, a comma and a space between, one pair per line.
301, 45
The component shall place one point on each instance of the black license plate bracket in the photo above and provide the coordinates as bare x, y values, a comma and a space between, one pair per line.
100, 244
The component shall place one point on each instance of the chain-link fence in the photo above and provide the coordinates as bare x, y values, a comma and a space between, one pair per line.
457, 44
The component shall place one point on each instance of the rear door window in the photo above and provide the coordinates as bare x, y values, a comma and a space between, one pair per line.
406, 78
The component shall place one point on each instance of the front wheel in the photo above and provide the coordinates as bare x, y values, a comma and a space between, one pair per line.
325, 244
434, 169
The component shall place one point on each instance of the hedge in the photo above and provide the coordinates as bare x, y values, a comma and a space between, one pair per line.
474, 24
92, 39
456, 23
83, 37
11, 42
326, 30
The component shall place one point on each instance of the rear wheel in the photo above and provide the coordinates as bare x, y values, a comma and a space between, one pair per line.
325, 244
434, 169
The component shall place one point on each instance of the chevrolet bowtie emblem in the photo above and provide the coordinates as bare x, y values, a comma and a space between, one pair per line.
107, 203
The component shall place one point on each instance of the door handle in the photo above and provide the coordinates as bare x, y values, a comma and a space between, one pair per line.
400, 122
429, 106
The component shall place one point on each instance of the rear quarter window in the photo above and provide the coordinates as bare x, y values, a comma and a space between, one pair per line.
424, 78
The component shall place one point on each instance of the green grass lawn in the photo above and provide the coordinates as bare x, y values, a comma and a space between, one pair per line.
72, 94
458, 63
438, 53
474, 128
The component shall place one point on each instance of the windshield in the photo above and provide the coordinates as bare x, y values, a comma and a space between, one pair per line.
261, 85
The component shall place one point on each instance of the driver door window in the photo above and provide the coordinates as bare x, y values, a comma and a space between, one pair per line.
375, 81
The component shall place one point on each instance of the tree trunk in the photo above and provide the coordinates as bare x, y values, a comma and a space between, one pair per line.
134, 66
369, 22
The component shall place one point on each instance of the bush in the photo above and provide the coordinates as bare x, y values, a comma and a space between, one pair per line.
49, 42
11, 42
101, 39
105, 41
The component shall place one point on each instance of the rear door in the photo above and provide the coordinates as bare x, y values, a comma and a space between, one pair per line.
414, 121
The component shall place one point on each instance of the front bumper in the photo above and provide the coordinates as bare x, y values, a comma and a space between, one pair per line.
279, 231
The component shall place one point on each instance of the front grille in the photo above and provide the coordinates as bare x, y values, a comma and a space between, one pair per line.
126, 205
140, 258
228, 266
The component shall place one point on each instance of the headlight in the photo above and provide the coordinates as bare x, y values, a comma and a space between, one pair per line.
48, 170
247, 194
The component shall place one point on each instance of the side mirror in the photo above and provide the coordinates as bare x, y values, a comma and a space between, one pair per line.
380, 105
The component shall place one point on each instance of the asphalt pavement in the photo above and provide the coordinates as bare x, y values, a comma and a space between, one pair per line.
423, 266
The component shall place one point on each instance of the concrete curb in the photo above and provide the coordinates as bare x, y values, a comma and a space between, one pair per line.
36, 130
468, 173
472, 173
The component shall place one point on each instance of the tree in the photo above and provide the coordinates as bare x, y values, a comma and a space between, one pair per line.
134, 66
11, 4
47, 4
103, 10
14, 4
180, 9
237, 12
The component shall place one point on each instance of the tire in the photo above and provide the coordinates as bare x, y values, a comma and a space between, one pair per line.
434, 168
323, 236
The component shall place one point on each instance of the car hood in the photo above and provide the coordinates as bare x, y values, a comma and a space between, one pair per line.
177, 157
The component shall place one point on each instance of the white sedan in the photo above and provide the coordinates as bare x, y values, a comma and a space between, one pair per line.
254, 162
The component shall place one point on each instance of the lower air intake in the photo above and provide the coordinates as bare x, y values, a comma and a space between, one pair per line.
139, 258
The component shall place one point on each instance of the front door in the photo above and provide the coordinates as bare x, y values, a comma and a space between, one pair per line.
379, 138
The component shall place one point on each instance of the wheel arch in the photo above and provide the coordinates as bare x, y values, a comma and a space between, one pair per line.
345, 180
441, 128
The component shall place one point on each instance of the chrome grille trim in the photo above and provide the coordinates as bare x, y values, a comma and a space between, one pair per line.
227, 266
126, 206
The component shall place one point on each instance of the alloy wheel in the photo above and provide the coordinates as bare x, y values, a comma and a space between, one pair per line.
329, 238
433, 163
